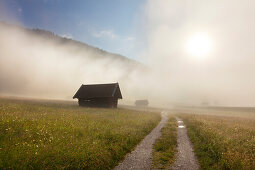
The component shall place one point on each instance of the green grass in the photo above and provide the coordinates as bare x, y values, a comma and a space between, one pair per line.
165, 147
222, 142
48, 135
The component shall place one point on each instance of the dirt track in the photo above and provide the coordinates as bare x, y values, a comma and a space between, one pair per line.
186, 159
141, 157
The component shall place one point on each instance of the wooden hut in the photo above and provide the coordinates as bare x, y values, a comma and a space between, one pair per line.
99, 95
142, 103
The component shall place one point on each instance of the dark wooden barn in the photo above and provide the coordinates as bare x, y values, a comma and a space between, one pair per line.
99, 95
141, 102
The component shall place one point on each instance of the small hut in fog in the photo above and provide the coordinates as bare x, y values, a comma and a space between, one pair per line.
141, 103
99, 95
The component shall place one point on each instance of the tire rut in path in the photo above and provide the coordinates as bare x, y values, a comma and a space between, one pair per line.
186, 159
141, 157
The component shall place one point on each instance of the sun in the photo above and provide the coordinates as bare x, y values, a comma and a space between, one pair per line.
199, 45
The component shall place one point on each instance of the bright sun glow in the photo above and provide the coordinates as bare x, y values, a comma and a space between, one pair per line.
199, 45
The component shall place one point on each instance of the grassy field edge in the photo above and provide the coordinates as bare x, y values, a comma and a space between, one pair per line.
39, 135
219, 145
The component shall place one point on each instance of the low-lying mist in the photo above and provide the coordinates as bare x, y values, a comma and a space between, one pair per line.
35, 66
46, 66
223, 76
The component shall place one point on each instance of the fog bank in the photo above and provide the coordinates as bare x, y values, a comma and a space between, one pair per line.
223, 76
38, 66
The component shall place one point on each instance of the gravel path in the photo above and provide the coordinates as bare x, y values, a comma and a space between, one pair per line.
141, 157
186, 159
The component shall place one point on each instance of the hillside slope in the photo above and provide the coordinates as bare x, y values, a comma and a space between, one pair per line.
54, 38
39, 63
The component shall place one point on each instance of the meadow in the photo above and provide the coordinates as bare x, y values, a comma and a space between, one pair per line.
54, 135
165, 147
224, 138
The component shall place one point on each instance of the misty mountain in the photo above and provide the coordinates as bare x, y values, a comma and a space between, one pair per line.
39, 63
77, 46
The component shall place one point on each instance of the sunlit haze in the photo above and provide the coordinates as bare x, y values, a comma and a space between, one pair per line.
199, 45
188, 52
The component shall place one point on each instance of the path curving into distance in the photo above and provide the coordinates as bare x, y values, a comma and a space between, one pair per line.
141, 157
186, 159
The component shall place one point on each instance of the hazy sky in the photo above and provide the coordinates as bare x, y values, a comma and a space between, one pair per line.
198, 51
109, 25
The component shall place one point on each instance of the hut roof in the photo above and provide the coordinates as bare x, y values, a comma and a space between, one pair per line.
98, 91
